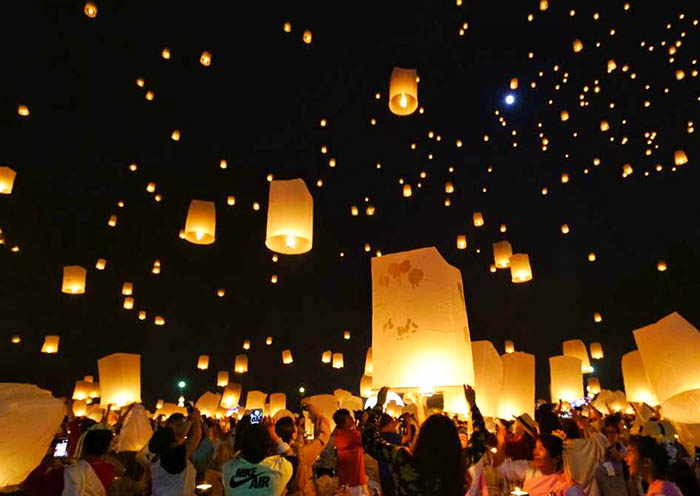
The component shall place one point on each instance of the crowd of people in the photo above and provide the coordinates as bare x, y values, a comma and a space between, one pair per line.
562, 452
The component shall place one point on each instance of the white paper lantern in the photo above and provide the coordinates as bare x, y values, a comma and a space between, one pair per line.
200, 226
576, 348
488, 377
403, 91
518, 393
255, 400
637, 386
290, 218
120, 379
566, 378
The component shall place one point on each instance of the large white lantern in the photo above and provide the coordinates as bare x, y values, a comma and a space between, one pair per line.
120, 379
576, 348
278, 401
520, 270
518, 393
7, 180
566, 378
290, 218
231, 395
255, 400
637, 386
200, 227
488, 377
502, 251
403, 91
369, 367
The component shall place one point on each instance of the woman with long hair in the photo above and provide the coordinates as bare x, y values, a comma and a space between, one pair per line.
649, 460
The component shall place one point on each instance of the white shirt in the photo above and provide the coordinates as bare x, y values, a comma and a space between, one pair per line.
167, 484
267, 478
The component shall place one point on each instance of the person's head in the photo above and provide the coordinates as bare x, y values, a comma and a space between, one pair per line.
286, 429
96, 442
162, 441
241, 427
439, 457
571, 429
387, 423
256, 443
612, 429
646, 458
547, 455
343, 419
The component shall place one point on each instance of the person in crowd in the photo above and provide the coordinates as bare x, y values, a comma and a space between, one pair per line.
648, 460
436, 465
611, 474
286, 431
307, 452
256, 471
387, 429
172, 472
584, 450
351, 461
324, 473
521, 444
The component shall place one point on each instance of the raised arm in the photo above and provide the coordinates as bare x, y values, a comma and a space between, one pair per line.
372, 440
478, 441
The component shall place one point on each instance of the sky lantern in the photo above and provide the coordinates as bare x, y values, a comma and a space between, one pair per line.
16, 339
205, 59
287, 357
127, 289
566, 379
544, 5
369, 367
461, 242
449, 187
488, 376
203, 362
661, 266
478, 219
208, 403
79, 408
680, 74
514, 83
231, 395
255, 400
81, 391
246, 344
366, 386
338, 361
142, 314
73, 279
403, 91
637, 386
680, 158
128, 303
604, 126
7, 180
611, 65
326, 356
597, 317
165, 53
407, 191
596, 351
90, 10
576, 348
578, 45
50, 344
502, 251
241, 364
346, 335
307, 37
564, 115
120, 379
112, 222
520, 270
175, 135
23, 110
268, 341
670, 349
159, 320
101, 264
222, 378
278, 401
200, 226
593, 386
290, 217
518, 392
287, 27
509, 347
419, 322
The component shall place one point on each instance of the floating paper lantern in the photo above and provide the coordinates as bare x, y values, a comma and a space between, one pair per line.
287, 357
565, 229
576, 349
16, 339
208, 404
231, 395
159, 321
159, 404
518, 392
255, 400
338, 361
127, 289
156, 267
94, 390
326, 356
564, 115
149, 95
403, 91
50, 344
205, 59
449, 188
268, 341
246, 344
604, 126
220, 292
578, 46
502, 251
670, 350
509, 347
611, 65
544, 5
346, 335
73, 279
241, 364
680, 158
142, 315
354, 211
514, 83
461, 242
290, 218
596, 351
407, 190
488, 377
566, 379
307, 37
7, 180
151, 187
79, 408
82, 390
597, 317
120, 379
200, 226
637, 386
520, 270
679, 74
287, 27
661, 266
366, 386
278, 401
419, 322
593, 386
222, 378
203, 362
112, 222
128, 303
23, 110
273, 279
478, 219
175, 135
369, 367
90, 10
101, 264
230, 200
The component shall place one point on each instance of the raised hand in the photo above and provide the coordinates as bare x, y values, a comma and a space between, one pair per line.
469, 395
381, 396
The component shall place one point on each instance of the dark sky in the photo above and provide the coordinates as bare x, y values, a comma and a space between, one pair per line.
259, 105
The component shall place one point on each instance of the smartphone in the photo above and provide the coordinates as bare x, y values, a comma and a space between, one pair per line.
60, 447
256, 416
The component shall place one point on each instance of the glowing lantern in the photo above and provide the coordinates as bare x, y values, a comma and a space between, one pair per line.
566, 379
79, 408
208, 403
142, 315
578, 46
518, 393
81, 391
159, 321
112, 222
287, 357
326, 356
290, 218
403, 91
246, 344
637, 386
544, 5
680, 74
661, 266
366, 386
16, 339
127, 289
278, 401
241, 364
120, 379
604, 126
128, 303
407, 190
611, 65
670, 350
593, 386
575, 348
231, 200
220, 292
449, 188
346, 335
564, 115
200, 226
287, 27
90, 10
596, 351
354, 211
222, 378
101, 264
478, 219
680, 158
203, 362
205, 59
461, 242
514, 83
159, 404
73, 279
307, 37
50, 344
338, 361
231, 395
509, 347
419, 322
369, 368
565, 229
7, 180
150, 95
597, 317
255, 400
591, 257
564, 178
502, 251
488, 376
268, 341
520, 270
175, 135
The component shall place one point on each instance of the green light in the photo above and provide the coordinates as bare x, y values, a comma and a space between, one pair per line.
302, 389
181, 384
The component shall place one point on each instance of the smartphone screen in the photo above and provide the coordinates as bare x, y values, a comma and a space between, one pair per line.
256, 416
60, 449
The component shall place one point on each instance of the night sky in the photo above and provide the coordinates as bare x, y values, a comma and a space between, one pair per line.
259, 106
